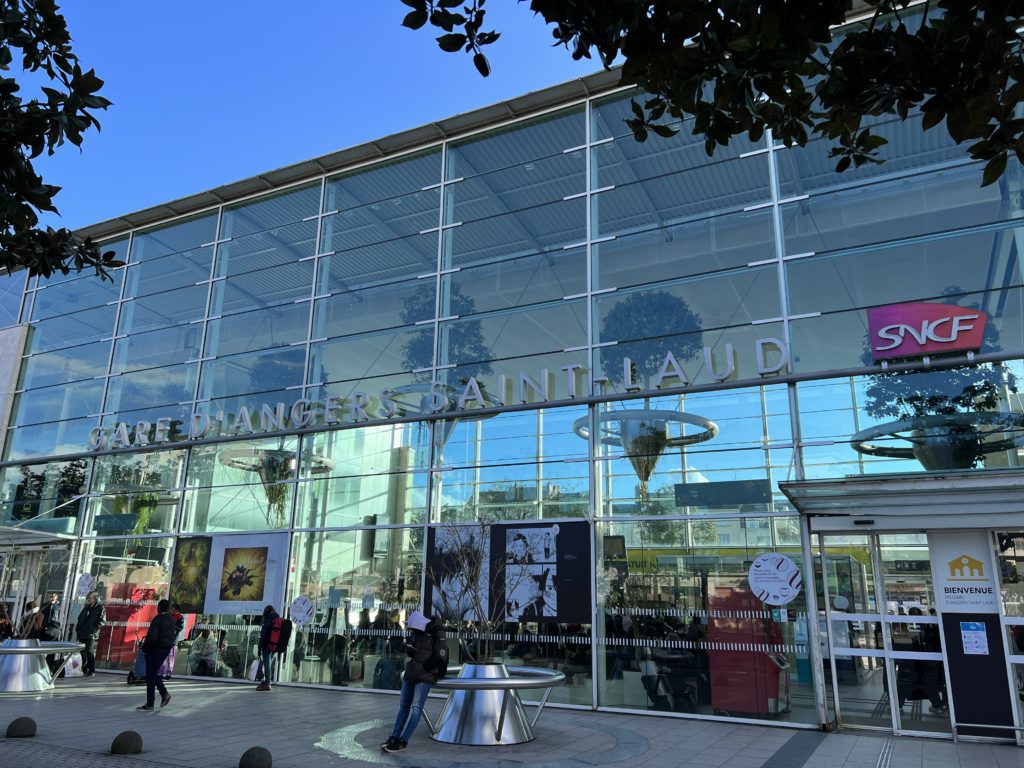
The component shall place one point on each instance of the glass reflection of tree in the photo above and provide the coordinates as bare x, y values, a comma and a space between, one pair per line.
948, 414
465, 339
654, 319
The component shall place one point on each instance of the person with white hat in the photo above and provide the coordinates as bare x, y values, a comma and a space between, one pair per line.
428, 663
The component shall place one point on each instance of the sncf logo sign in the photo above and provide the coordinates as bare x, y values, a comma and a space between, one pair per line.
915, 330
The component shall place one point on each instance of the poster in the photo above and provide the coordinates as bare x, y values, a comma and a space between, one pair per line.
974, 638
963, 572
774, 579
246, 573
190, 572
534, 572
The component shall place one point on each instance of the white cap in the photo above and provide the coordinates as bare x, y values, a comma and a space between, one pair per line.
418, 621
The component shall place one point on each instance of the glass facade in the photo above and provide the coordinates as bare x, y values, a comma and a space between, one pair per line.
542, 324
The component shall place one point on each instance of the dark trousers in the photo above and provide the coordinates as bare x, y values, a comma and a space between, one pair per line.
88, 659
154, 659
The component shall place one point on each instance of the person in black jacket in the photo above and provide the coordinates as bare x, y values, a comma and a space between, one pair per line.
428, 661
87, 630
266, 652
156, 647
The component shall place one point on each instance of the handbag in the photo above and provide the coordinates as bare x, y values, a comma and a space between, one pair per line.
74, 666
254, 669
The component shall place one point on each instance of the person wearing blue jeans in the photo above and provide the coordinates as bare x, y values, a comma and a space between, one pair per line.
266, 652
156, 647
428, 662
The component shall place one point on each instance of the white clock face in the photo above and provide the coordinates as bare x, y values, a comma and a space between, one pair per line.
301, 610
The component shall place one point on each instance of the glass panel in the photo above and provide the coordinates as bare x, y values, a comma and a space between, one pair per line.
60, 298
137, 495
921, 694
167, 346
254, 372
383, 181
517, 144
364, 476
933, 269
174, 238
12, 288
263, 329
649, 464
516, 282
626, 160
240, 486
166, 274
513, 333
284, 245
386, 220
680, 631
51, 439
385, 262
863, 686
806, 169
44, 497
1011, 572
372, 309
277, 285
163, 309
695, 247
157, 386
907, 574
363, 357
535, 230
360, 582
515, 188
131, 576
943, 200
67, 330
55, 403
120, 250
270, 211
512, 466
74, 364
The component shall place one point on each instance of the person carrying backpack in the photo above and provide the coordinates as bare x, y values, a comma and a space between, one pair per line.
275, 633
428, 663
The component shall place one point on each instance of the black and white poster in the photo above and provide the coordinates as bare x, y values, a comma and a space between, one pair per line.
537, 572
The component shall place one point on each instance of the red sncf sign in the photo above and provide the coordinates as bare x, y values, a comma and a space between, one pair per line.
915, 330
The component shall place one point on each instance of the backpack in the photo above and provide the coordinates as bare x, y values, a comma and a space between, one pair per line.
440, 652
280, 634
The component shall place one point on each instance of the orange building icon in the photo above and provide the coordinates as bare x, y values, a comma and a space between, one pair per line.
966, 567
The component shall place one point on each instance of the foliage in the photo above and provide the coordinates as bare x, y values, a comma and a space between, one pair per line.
35, 32
655, 317
747, 66
465, 339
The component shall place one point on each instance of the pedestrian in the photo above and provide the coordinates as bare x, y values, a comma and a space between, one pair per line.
51, 610
6, 627
157, 645
428, 663
87, 630
266, 651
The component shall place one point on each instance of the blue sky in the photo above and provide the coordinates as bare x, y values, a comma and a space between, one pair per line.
206, 93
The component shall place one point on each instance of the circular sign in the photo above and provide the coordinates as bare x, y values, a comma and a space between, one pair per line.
301, 610
85, 584
775, 579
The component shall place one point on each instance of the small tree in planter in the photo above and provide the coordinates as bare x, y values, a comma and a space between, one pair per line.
935, 406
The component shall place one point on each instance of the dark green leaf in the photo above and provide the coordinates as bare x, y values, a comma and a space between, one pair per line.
415, 19
451, 43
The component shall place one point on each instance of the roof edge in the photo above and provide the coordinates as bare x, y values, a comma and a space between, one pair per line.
457, 125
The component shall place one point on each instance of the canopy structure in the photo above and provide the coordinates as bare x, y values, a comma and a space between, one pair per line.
918, 501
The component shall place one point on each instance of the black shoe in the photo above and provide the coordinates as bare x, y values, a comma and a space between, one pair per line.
165, 700
145, 708
391, 740
88, 674
396, 746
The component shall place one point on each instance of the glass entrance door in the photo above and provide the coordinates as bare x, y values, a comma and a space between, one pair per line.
883, 653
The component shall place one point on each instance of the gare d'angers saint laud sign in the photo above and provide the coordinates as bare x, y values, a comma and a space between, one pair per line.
897, 331
770, 356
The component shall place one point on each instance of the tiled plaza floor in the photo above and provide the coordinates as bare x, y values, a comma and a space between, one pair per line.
212, 724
